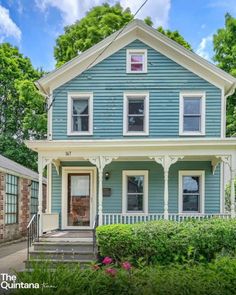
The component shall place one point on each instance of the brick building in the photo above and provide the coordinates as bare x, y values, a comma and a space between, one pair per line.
18, 198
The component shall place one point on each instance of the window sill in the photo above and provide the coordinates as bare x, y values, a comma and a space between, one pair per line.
192, 134
79, 134
136, 134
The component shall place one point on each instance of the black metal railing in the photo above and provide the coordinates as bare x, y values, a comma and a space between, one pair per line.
32, 232
95, 224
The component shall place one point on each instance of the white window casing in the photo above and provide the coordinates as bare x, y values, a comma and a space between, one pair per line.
80, 95
125, 174
136, 95
189, 95
129, 53
201, 174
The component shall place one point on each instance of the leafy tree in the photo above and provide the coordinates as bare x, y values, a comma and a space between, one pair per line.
225, 55
100, 22
22, 113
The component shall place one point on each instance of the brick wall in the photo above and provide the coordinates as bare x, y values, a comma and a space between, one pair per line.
15, 231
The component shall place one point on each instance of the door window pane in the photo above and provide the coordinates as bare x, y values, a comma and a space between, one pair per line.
79, 200
191, 193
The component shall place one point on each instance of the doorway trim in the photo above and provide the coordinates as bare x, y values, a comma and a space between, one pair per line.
64, 196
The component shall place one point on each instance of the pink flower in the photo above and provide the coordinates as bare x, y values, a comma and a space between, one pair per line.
111, 271
126, 265
96, 267
107, 260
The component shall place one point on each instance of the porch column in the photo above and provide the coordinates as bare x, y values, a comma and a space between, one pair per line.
100, 162
166, 161
232, 187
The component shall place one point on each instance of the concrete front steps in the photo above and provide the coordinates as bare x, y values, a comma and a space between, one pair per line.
63, 248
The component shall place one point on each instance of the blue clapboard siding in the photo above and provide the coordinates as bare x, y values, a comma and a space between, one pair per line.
108, 81
156, 185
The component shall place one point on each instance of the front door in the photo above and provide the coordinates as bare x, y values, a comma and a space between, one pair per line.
79, 197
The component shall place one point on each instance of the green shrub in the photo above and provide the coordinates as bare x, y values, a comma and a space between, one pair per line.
164, 242
217, 277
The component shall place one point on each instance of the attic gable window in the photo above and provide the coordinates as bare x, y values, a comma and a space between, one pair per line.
80, 113
136, 61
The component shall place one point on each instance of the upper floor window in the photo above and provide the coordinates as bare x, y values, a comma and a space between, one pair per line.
80, 114
11, 201
136, 114
191, 191
136, 61
192, 113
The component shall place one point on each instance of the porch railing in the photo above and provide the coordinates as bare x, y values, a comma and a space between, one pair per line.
116, 218
32, 232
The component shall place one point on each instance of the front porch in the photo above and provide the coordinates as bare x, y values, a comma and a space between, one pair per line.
162, 161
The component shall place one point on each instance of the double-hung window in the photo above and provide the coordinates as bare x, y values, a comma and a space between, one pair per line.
136, 61
11, 199
191, 191
136, 114
34, 197
80, 114
135, 191
192, 113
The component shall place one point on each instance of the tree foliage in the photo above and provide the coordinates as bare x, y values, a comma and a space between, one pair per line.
225, 55
100, 22
22, 112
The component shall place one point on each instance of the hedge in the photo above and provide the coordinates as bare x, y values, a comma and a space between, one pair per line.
164, 242
215, 278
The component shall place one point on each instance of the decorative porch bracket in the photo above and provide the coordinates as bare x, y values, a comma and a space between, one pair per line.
166, 161
100, 162
228, 160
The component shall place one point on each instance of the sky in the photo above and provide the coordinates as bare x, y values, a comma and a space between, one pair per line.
34, 25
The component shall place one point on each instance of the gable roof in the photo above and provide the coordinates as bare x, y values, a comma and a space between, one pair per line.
11, 167
137, 29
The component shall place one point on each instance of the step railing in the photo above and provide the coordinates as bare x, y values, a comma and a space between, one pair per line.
119, 218
32, 232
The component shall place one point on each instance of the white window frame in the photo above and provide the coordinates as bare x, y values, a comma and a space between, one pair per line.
129, 52
125, 174
201, 174
192, 94
79, 95
146, 113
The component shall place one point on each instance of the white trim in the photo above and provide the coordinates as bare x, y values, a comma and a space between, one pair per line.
126, 173
192, 94
129, 52
223, 113
93, 197
146, 113
201, 174
50, 113
49, 188
222, 188
79, 95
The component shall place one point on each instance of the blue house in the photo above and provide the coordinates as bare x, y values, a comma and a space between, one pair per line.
136, 132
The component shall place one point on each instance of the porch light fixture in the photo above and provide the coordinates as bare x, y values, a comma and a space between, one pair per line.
107, 175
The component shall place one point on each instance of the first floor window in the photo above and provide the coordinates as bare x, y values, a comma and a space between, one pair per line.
192, 191
34, 197
135, 191
136, 114
80, 114
11, 199
192, 114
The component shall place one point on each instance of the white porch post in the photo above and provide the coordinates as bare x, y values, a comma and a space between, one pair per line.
100, 162
166, 161
232, 191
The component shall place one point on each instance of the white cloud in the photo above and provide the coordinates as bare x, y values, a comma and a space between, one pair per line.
72, 10
7, 26
204, 47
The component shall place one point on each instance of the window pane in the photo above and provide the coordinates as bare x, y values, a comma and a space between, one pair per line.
81, 123
11, 199
192, 106
135, 123
191, 203
135, 202
192, 123
137, 58
135, 184
80, 106
136, 67
191, 184
136, 106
